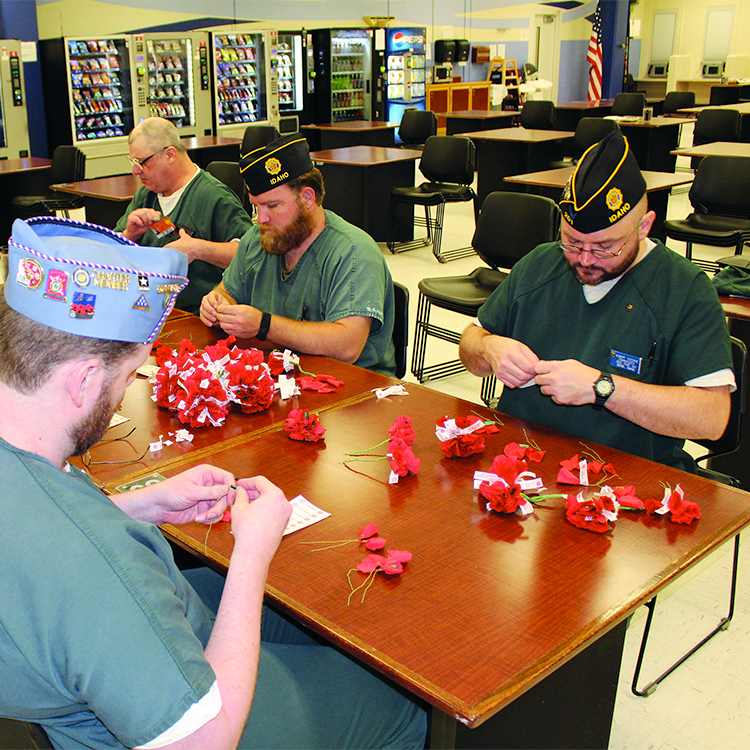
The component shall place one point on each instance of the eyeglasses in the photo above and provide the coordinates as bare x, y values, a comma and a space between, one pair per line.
597, 252
86, 458
141, 162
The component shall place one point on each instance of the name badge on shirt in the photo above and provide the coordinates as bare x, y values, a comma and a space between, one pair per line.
623, 361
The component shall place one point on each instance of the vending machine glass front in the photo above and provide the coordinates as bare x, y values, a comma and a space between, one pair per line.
170, 80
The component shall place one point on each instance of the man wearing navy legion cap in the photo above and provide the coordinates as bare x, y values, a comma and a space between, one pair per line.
103, 641
303, 277
606, 333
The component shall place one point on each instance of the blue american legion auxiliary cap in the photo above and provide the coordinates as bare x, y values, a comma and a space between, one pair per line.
280, 161
87, 280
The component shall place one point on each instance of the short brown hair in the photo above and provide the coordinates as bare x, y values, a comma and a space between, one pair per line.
313, 179
30, 351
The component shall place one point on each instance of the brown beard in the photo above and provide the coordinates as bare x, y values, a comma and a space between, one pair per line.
280, 242
625, 263
92, 428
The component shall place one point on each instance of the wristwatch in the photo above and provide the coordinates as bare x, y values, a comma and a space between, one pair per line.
604, 387
265, 326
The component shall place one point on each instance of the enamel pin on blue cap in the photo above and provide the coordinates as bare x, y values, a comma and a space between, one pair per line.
87, 280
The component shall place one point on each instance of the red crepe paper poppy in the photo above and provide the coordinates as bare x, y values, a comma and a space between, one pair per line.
375, 543
586, 514
462, 446
570, 471
226, 516
276, 363
319, 383
680, 510
402, 458
304, 425
507, 467
501, 498
626, 497
403, 429
370, 529
515, 450
462, 436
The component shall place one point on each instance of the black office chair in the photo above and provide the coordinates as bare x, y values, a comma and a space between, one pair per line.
400, 326
417, 125
228, 172
23, 735
68, 165
258, 135
676, 100
629, 103
715, 125
728, 443
448, 162
720, 196
723, 95
589, 130
538, 114
509, 226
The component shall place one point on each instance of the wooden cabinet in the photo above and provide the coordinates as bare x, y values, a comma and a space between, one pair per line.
455, 97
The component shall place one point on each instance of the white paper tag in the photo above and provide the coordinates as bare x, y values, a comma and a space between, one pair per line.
304, 514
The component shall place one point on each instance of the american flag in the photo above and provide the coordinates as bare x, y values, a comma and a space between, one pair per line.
594, 56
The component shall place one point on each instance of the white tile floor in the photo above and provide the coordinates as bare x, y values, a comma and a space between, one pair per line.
705, 703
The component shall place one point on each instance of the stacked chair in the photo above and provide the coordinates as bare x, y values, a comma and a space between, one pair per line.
715, 125
629, 103
509, 226
417, 125
538, 115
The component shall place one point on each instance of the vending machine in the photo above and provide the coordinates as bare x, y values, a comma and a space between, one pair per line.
172, 79
405, 80
342, 61
292, 73
245, 70
14, 125
89, 99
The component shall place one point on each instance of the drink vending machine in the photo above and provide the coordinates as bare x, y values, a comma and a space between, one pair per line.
97, 90
405, 84
246, 78
342, 74
14, 125
292, 70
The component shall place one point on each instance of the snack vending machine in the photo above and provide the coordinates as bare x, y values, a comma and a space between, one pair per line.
343, 67
89, 99
245, 76
14, 125
292, 70
405, 84
172, 79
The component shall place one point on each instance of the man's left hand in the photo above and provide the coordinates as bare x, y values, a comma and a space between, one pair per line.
242, 321
568, 381
186, 244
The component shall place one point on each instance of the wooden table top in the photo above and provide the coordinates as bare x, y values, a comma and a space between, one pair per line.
519, 135
482, 114
741, 107
661, 121
559, 178
719, 148
354, 125
210, 141
365, 156
490, 604
10, 166
118, 188
736, 307
586, 104
151, 421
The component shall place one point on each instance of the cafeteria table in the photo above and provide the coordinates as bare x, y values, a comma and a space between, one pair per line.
27, 175
652, 141
325, 136
470, 120
359, 180
104, 198
718, 148
510, 629
742, 107
511, 151
659, 185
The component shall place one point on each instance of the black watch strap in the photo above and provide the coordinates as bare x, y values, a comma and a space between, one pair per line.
265, 326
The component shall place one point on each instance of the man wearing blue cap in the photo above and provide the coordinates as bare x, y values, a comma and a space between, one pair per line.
608, 334
103, 641
303, 277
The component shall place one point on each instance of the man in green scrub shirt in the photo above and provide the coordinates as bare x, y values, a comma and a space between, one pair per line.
607, 334
205, 217
303, 277
103, 641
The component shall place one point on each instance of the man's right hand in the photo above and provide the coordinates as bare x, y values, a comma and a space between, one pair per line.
139, 221
209, 305
260, 513
512, 361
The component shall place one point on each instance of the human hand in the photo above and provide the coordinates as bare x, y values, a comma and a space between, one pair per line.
186, 244
568, 381
199, 494
260, 513
242, 321
512, 361
209, 305
139, 221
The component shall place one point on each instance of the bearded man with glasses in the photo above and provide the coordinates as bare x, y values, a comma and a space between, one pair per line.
182, 207
608, 334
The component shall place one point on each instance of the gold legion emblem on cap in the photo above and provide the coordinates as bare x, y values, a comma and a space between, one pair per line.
614, 198
273, 165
